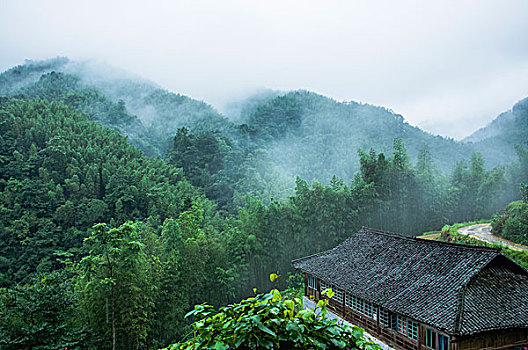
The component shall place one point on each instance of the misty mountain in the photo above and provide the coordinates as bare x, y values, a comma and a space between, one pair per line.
275, 134
238, 110
16, 78
68, 89
316, 137
148, 115
497, 140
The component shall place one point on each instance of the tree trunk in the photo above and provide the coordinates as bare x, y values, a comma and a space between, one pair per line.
112, 301
113, 320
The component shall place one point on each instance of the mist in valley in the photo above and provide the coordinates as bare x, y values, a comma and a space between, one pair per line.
278, 136
154, 157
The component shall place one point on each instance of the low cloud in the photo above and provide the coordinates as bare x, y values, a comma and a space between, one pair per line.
434, 62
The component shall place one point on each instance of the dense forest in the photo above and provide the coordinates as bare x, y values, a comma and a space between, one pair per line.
123, 205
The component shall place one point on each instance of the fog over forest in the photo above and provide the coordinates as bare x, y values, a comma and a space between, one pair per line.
158, 156
304, 134
447, 67
280, 135
105, 177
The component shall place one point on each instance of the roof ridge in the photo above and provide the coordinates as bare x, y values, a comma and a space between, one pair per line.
311, 256
461, 299
461, 293
428, 241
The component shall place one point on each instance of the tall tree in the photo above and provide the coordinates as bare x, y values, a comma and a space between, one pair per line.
114, 282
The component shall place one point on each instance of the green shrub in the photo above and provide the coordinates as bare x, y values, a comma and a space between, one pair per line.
268, 321
513, 224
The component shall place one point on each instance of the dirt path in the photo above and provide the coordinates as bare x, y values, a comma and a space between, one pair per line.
482, 232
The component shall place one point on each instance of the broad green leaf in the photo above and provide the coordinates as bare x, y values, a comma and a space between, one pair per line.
289, 304
266, 330
219, 346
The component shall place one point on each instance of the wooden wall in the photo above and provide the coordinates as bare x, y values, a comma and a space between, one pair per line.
502, 339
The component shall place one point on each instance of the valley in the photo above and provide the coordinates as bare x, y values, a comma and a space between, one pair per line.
124, 205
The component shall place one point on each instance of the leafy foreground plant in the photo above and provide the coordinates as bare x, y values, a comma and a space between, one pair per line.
267, 321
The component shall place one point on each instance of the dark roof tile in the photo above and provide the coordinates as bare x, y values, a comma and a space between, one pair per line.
419, 278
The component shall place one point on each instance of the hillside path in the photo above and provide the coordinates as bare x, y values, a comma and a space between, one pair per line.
482, 232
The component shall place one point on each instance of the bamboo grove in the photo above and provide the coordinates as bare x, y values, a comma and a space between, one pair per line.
102, 245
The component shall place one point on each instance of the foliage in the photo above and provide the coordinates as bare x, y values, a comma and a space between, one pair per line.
60, 174
499, 137
115, 286
524, 192
513, 223
267, 321
40, 315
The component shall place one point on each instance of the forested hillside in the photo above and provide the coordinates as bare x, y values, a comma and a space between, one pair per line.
148, 115
500, 137
100, 241
316, 137
61, 174
301, 133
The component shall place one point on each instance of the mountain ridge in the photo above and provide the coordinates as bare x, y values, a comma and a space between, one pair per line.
507, 131
304, 133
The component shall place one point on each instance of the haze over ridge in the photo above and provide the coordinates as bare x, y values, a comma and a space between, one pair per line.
436, 63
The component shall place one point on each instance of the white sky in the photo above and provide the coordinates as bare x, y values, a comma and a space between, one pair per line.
447, 66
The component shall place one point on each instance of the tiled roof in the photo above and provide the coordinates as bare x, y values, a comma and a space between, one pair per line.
496, 298
419, 278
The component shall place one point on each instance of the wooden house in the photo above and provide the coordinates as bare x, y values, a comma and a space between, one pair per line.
413, 293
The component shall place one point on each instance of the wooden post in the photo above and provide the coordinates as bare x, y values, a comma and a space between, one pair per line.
306, 284
343, 312
378, 320
452, 344
421, 331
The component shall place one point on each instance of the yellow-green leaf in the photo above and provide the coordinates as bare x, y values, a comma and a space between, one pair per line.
329, 292
273, 277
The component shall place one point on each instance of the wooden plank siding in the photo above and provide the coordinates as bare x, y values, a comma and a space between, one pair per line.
502, 339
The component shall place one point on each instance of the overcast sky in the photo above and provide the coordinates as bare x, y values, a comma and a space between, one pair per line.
449, 67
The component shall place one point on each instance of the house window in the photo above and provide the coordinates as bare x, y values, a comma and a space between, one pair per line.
325, 286
370, 310
399, 323
436, 341
430, 339
356, 305
338, 296
393, 318
349, 300
443, 342
412, 330
402, 324
384, 317
362, 306
312, 282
